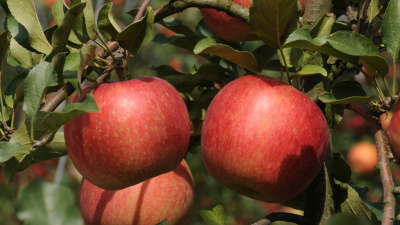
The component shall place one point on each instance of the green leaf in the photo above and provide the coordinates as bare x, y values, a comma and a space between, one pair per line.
25, 13
79, 34
373, 10
17, 163
391, 29
346, 92
71, 68
211, 71
164, 70
87, 53
376, 207
55, 149
323, 28
19, 32
188, 81
49, 32
209, 95
346, 219
176, 26
60, 36
106, 23
9, 149
58, 62
312, 70
267, 18
203, 29
21, 55
350, 203
355, 48
45, 203
56, 119
12, 62
5, 44
263, 55
38, 80
14, 90
179, 40
164, 222
242, 58
214, 217
134, 36
90, 21
341, 169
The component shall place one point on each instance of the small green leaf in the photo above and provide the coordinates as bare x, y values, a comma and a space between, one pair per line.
106, 23
18, 162
22, 56
355, 48
55, 149
265, 25
312, 70
49, 32
242, 58
214, 217
209, 95
56, 119
12, 62
25, 13
5, 44
188, 81
87, 53
176, 26
164, 222
14, 90
211, 71
58, 62
45, 203
134, 36
38, 80
373, 10
9, 149
263, 55
390, 29
323, 27
341, 169
164, 70
90, 21
203, 29
60, 37
346, 92
376, 207
71, 67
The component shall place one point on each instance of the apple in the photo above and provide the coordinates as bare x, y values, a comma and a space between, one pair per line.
142, 131
303, 7
168, 196
393, 133
264, 139
363, 158
385, 120
357, 124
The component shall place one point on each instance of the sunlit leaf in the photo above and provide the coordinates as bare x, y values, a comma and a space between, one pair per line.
214, 217
391, 29
346, 92
106, 23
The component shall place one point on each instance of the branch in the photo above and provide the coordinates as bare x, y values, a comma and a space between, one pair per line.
389, 202
227, 6
141, 10
287, 217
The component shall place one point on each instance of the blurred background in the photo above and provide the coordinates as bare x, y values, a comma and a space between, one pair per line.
352, 137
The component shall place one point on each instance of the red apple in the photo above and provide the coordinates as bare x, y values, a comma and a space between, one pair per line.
357, 124
142, 131
264, 139
303, 6
362, 157
385, 120
393, 133
168, 196
227, 27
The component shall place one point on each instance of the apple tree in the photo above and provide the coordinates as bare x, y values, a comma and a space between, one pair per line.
270, 139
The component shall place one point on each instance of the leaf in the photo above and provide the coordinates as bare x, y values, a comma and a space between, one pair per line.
49, 32
346, 219
71, 68
45, 203
60, 36
214, 217
242, 58
179, 40
87, 53
376, 207
55, 149
17, 163
263, 55
373, 10
12, 62
11, 92
323, 27
209, 95
56, 119
38, 80
21, 55
164, 70
346, 92
350, 203
58, 62
90, 21
312, 70
203, 29
268, 17
176, 26
9, 149
18, 32
211, 71
164, 222
341, 169
106, 23
188, 81
79, 34
5, 44
391, 29
134, 36
25, 13
355, 48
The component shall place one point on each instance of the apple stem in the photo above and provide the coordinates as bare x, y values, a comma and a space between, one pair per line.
280, 216
389, 201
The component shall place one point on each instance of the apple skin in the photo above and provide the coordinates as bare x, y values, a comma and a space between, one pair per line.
168, 196
264, 139
142, 131
393, 133
363, 158
227, 27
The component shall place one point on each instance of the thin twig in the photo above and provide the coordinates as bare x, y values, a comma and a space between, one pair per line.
141, 10
389, 202
287, 217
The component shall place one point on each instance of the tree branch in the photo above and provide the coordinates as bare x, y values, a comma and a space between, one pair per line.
227, 6
287, 217
141, 10
389, 202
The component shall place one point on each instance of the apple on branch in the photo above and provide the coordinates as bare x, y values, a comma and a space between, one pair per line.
141, 131
264, 139
168, 196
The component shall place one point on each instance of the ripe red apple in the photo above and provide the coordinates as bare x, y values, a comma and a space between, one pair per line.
362, 157
168, 196
142, 131
264, 139
393, 133
385, 120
